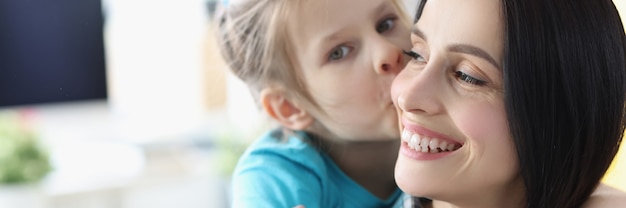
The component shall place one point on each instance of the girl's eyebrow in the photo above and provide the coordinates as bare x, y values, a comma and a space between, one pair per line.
380, 8
461, 48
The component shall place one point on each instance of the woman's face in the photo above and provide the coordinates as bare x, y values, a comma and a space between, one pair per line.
456, 144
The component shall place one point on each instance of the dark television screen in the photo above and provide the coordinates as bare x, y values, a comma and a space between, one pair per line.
51, 51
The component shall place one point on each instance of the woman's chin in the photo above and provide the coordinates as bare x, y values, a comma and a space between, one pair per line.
411, 179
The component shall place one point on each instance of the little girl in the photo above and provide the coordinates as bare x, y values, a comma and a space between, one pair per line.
322, 70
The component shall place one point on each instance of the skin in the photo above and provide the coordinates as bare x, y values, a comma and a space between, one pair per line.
348, 61
461, 99
466, 108
483, 171
356, 62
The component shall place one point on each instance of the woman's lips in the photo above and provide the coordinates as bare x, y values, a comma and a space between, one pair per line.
424, 140
426, 144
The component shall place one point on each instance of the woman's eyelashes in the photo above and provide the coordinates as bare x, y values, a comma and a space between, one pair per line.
469, 79
460, 75
339, 53
415, 56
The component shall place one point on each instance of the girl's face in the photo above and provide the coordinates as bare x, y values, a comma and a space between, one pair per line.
456, 144
349, 52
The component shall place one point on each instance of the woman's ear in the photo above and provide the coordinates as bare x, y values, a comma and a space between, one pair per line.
287, 113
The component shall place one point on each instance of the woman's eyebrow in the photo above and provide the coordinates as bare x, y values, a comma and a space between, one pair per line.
461, 48
474, 51
418, 32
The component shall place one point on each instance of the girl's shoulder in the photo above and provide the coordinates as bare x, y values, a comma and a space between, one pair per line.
606, 196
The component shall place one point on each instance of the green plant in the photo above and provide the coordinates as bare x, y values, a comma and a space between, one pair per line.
229, 148
22, 160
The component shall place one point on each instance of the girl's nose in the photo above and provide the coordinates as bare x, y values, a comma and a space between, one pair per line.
388, 58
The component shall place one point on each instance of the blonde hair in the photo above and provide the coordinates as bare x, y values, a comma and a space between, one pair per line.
254, 42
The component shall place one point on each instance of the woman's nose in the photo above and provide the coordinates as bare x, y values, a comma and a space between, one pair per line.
419, 90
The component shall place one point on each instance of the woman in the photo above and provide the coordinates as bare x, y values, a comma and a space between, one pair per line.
512, 103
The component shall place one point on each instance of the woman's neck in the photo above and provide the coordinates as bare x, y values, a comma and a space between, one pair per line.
511, 195
370, 164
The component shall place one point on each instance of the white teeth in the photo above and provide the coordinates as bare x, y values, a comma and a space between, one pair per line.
405, 134
451, 147
443, 145
425, 144
434, 143
415, 140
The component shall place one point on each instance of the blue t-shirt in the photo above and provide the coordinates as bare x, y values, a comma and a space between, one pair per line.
276, 172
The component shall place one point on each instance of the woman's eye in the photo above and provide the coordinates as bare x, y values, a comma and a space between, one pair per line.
415, 56
469, 79
339, 53
385, 25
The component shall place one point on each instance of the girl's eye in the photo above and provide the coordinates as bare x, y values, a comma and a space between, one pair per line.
469, 79
385, 25
339, 53
415, 56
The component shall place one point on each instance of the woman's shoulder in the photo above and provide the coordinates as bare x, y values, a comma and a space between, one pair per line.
606, 196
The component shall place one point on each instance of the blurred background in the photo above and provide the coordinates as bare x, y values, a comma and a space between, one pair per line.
124, 104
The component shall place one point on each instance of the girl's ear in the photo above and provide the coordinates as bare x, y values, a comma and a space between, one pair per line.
284, 111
